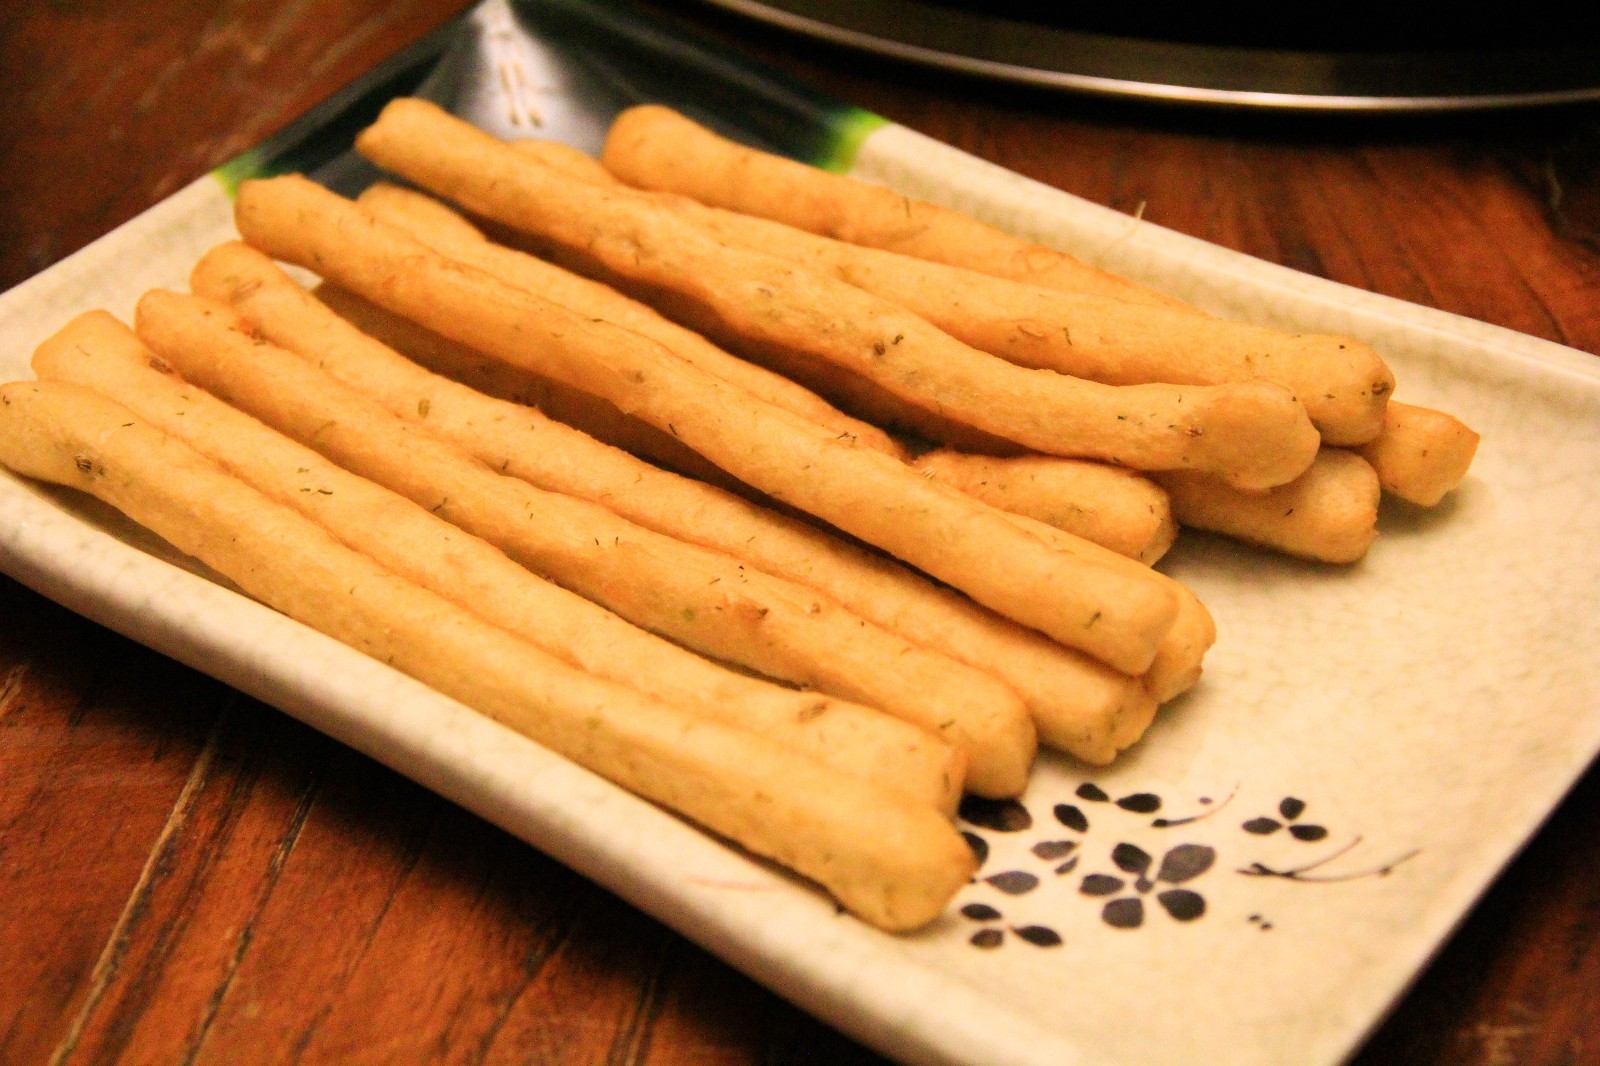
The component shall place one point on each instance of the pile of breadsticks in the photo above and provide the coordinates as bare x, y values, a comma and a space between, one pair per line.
607, 503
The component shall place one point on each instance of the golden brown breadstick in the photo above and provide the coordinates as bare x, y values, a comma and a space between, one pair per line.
1421, 454
700, 598
392, 202
421, 216
868, 494
1329, 513
655, 148
426, 219
1077, 703
1177, 664
1115, 508
850, 392
99, 352
1253, 433
893, 862
571, 161
597, 417
1342, 383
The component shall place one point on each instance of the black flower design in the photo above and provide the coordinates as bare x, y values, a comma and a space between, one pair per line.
992, 936
1290, 809
1071, 816
1137, 802
1054, 850
1013, 882
1181, 863
1140, 803
1059, 844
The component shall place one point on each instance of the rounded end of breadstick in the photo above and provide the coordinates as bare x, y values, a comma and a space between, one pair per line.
267, 213
1179, 662
1338, 501
1112, 506
400, 119
926, 877
1109, 734
1001, 755
1329, 514
985, 718
52, 431
1422, 454
1163, 535
1348, 406
88, 330
892, 862
631, 133
230, 272
1257, 436
394, 201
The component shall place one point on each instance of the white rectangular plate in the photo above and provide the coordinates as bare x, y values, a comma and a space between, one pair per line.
1404, 724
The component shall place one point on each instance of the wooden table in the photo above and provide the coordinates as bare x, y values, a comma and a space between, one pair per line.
188, 875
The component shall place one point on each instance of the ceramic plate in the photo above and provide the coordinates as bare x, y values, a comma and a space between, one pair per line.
1255, 882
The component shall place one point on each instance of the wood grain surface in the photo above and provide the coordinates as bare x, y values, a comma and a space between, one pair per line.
188, 876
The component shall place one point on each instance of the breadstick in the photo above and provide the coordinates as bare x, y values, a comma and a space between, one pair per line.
866, 493
1115, 508
655, 148
1253, 433
848, 391
1421, 454
893, 862
441, 228
700, 598
1077, 703
445, 231
597, 417
573, 162
1177, 664
861, 397
1329, 513
98, 352
1342, 383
